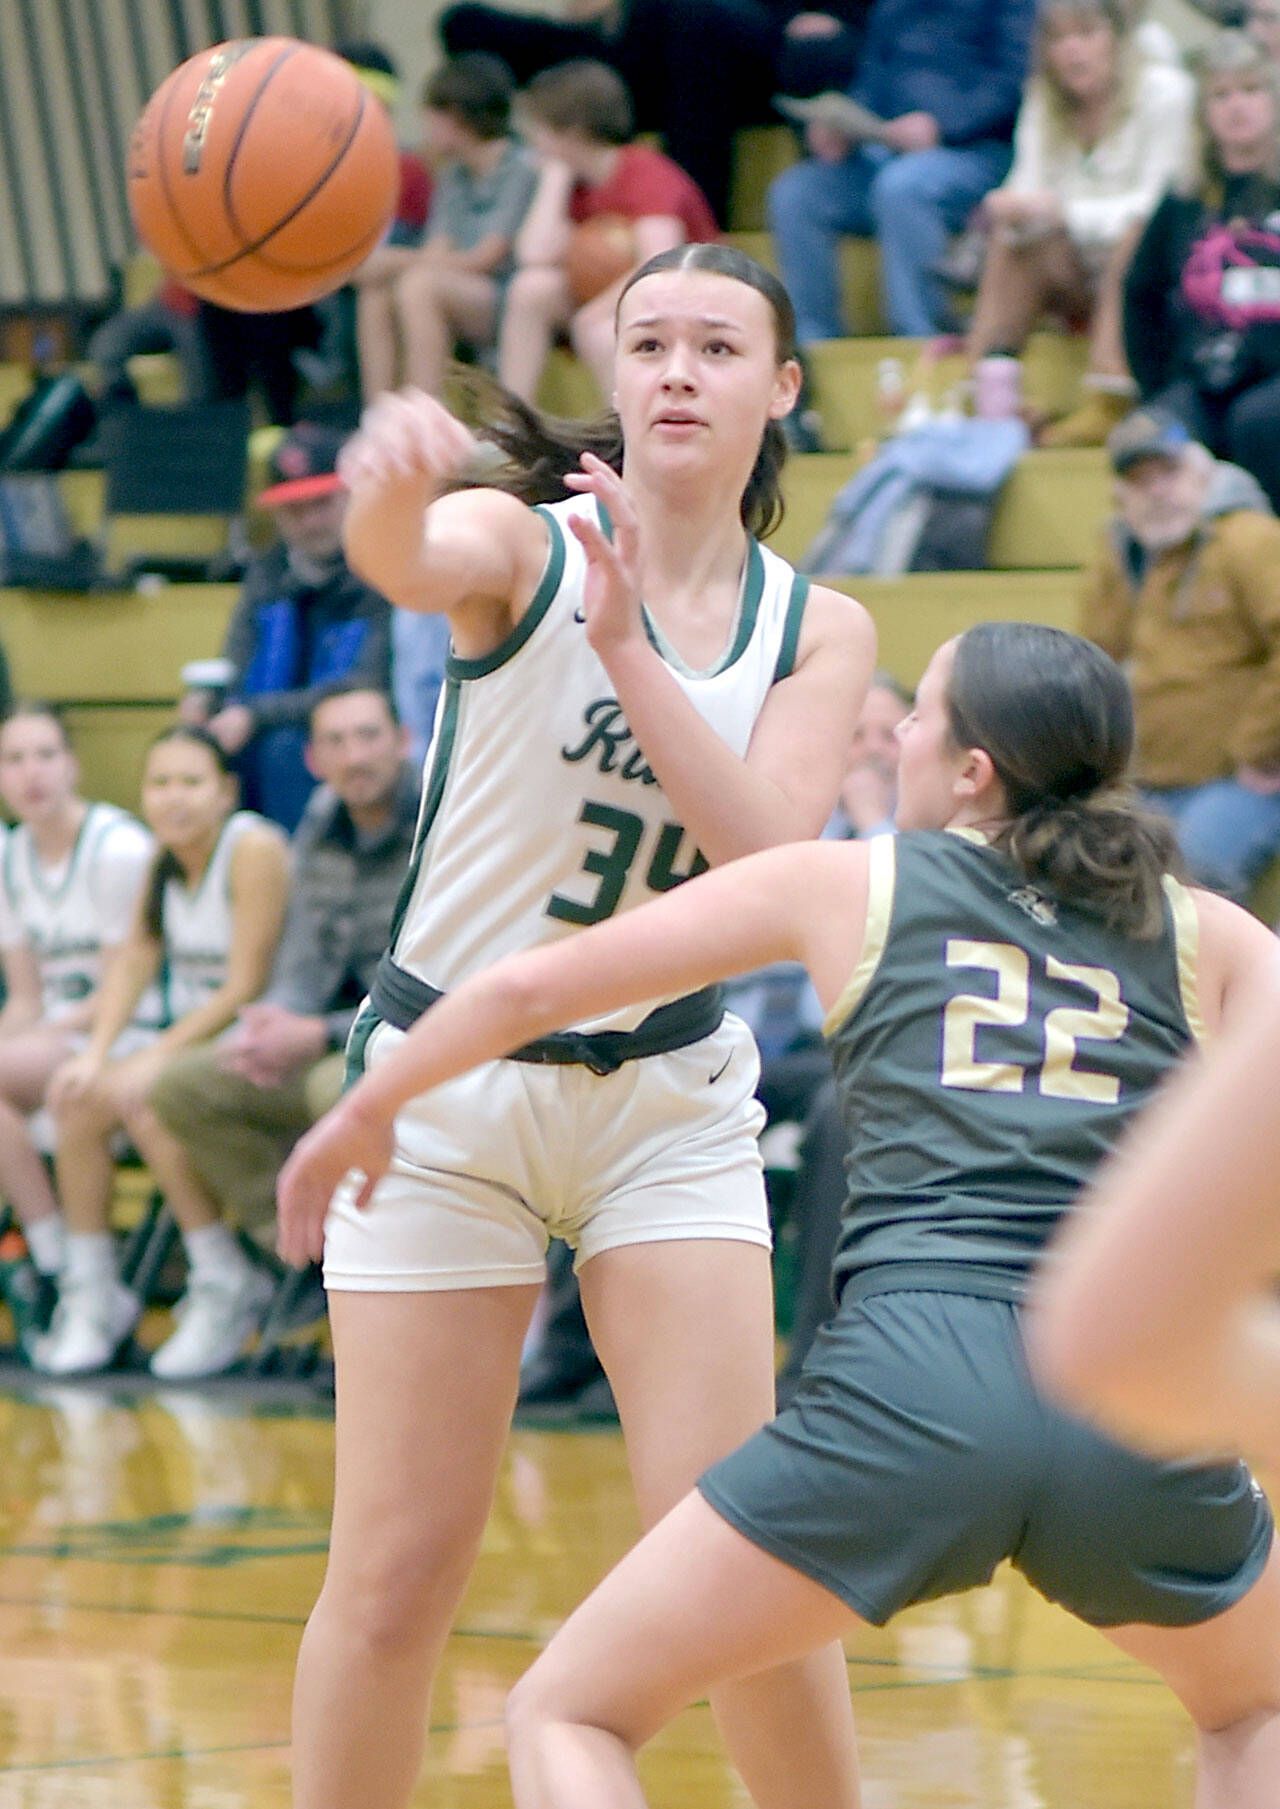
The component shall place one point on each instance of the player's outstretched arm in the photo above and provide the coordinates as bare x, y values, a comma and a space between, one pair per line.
804, 902
1156, 1313
474, 555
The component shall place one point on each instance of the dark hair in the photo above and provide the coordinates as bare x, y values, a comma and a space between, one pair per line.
582, 96
1055, 715
38, 707
166, 865
541, 450
477, 89
350, 687
363, 53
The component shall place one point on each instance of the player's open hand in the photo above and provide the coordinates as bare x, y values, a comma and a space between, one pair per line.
406, 435
611, 599
345, 1142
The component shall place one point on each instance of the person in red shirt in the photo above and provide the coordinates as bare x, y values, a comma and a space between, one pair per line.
578, 119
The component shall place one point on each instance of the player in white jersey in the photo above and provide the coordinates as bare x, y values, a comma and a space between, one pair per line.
635, 689
207, 925
70, 880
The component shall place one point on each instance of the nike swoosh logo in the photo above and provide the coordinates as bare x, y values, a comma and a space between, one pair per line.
712, 1079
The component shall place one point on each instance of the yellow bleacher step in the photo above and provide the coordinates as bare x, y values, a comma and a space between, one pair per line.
759, 154
844, 379
1051, 509
15, 381
113, 646
916, 613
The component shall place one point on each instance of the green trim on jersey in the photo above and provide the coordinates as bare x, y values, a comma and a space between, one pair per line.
548, 585
442, 753
744, 625
54, 895
881, 875
791, 629
1186, 930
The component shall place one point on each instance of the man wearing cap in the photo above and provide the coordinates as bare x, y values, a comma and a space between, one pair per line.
937, 93
1185, 588
303, 621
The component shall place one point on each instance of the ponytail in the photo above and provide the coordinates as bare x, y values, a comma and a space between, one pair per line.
1055, 716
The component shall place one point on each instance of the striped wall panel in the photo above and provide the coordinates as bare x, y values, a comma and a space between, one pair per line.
74, 75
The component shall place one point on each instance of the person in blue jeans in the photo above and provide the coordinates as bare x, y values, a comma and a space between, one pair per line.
946, 76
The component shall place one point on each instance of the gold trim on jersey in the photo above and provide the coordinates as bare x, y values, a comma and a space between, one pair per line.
882, 867
1186, 935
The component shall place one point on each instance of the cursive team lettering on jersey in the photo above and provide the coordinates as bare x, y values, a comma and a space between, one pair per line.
610, 738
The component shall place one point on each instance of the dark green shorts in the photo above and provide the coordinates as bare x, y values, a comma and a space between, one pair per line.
917, 1455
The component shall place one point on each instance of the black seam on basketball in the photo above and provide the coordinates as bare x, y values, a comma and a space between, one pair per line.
267, 262
248, 249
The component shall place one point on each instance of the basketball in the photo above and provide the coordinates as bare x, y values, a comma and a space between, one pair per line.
261, 173
600, 251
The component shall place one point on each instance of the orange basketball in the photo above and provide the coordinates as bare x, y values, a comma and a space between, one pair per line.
600, 251
262, 172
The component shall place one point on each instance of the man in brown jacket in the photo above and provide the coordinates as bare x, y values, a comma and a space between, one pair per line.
1185, 589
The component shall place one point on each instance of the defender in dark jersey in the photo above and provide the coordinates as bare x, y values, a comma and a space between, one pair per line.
1006, 986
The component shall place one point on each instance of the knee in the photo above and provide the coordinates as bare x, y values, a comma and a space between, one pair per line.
899, 184
90, 1115
397, 1597
529, 1712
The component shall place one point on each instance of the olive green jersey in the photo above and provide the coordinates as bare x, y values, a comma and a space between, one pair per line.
989, 1049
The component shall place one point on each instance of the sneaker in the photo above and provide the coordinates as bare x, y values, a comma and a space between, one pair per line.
90, 1322
216, 1319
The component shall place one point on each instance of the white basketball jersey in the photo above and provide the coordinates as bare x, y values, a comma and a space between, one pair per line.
68, 914
197, 926
539, 812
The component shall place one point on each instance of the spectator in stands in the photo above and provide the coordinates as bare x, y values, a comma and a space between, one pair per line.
167, 321
1202, 296
209, 921
415, 306
70, 881
237, 1106
578, 119
332, 369
821, 50
1262, 22
303, 621
419, 656
1102, 133
1185, 586
696, 73
257, 355
945, 77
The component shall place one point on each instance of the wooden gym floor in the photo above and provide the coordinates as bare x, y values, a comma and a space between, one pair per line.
159, 1552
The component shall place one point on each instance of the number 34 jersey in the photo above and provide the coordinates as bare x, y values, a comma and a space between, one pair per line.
540, 813
989, 1049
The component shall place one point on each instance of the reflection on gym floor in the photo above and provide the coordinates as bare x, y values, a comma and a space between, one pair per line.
159, 1552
